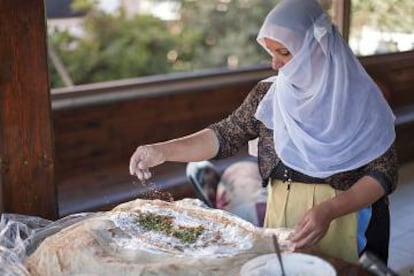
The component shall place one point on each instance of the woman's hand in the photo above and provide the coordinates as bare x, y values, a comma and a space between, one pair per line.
145, 157
198, 146
315, 223
312, 227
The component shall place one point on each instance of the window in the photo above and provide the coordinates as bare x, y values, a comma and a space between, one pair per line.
139, 38
93, 41
379, 27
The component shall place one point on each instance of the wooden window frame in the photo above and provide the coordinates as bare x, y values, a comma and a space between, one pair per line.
342, 17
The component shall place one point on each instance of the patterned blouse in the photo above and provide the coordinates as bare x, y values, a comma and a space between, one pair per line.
241, 126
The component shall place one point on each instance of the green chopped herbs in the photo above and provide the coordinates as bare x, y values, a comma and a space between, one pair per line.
188, 234
164, 224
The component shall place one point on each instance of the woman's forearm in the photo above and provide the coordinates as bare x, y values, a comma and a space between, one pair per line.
362, 194
198, 146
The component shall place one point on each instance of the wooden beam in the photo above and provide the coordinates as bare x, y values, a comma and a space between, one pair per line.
26, 143
342, 17
1, 194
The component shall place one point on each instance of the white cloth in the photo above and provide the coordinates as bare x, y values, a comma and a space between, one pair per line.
327, 114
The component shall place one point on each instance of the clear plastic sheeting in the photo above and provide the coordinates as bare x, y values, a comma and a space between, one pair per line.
20, 235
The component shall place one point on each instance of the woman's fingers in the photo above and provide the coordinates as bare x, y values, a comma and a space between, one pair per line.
147, 174
306, 237
134, 161
303, 231
306, 242
137, 162
143, 175
140, 175
312, 227
132, 165
312, 238
309, 234
144, 158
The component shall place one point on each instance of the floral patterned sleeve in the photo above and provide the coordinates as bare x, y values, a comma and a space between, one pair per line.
241, 126
384, 169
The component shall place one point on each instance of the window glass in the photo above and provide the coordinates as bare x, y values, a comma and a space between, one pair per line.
379, 27
102, 40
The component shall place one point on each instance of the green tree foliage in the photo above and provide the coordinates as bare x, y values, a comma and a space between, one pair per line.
224, 30
209, 34
384, 15
114, 47
84, 5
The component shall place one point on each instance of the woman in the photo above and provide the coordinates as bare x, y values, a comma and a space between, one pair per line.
325, 134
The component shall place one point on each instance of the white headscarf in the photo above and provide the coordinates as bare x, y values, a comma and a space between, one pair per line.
327, 114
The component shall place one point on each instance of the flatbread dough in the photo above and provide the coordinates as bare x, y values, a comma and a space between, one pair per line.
118, 242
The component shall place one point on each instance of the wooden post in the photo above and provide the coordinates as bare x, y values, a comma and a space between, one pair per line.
26, 142
342, 15
1, 195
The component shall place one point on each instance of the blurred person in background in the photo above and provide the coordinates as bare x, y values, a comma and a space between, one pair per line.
237, 190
